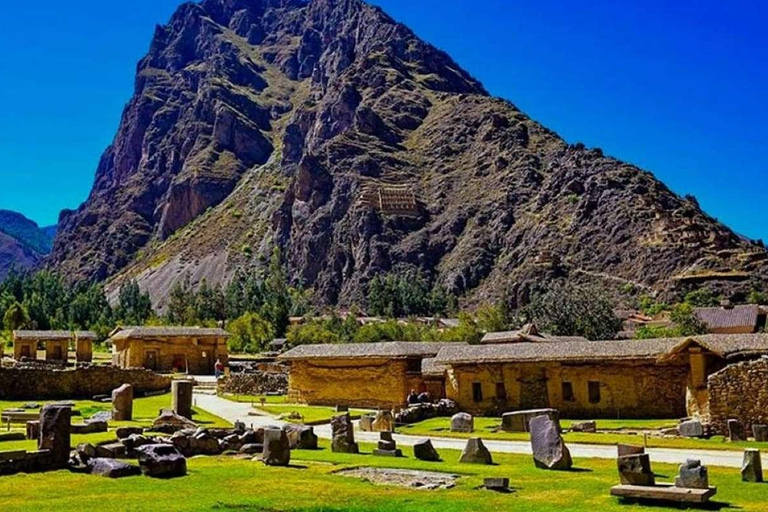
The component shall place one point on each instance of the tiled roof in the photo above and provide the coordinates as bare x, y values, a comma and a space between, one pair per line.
568, 351
728, 318
430, 367
727, 346
394, 350
523, 337
168, 332
42, 335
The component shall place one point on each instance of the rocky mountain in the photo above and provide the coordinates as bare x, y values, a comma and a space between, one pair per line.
22, 242
327, 128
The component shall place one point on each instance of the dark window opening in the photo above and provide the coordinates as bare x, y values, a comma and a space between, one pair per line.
594, 392
477, 392
413, 365
501, 391
568, 395
26, 351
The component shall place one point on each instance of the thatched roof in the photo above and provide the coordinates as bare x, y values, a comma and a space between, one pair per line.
568, 351
42, 335
727, 346
431, 368
522, 336
729, 318
388, 350
168, 332
86, 335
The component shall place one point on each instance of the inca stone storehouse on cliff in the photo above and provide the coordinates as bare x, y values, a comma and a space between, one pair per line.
659, 378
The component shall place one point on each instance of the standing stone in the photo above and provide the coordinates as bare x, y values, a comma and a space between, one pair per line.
736, 431
277, 449
383, 422
122, 403
181, 392
691, 428
636, 470
476, 453
463, 422
162, 461
760, 432
549, 450
301, 437
33, 429
343, 435
752, 467
519, 421
55, 425
693, 475
423, 450
628, 449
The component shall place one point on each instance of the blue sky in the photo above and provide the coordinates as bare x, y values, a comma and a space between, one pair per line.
678, 88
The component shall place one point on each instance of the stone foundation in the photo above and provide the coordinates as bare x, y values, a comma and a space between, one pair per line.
739, 391
49, 384
256, 383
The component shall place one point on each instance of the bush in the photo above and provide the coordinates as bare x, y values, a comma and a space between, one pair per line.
310, 334
249, 334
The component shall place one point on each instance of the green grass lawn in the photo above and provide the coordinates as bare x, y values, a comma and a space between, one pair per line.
255, 399
310, 484
487, 428
144, 411
277, 405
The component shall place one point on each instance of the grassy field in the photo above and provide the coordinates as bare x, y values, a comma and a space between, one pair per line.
277, 405
311, 485
144, 411
487, 428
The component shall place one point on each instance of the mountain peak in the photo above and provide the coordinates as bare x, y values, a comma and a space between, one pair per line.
332, 131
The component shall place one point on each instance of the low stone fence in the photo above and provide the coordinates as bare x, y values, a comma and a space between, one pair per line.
739, 391
43, 384
255, 383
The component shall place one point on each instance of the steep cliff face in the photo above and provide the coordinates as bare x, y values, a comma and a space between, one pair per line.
327, 128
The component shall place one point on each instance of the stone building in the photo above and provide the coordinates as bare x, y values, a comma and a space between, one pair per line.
164, 349
362, 374
733, 320
580, 378
84, 346
55, 343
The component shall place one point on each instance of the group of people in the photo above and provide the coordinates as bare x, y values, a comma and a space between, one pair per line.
418, 398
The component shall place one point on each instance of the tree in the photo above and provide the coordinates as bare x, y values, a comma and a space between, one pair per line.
568, 310
181, 303
493, 318
277, 303
310, 333
702, 298
133, 306
250, 333
686, 322
16, 317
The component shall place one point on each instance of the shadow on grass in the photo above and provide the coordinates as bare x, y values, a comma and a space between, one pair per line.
665, 504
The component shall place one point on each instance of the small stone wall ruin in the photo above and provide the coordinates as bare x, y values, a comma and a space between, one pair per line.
269, 378
739, 391
38, 383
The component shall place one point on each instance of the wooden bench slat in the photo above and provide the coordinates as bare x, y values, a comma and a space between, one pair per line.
665, 492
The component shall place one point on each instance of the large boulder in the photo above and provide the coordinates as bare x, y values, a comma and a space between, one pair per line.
55, 426
462, 422
519, 421
691, 428
383, 422
122, 403
636, 470
343, 435
549, 450
475, 452
424, 450
162, 461
169, 422
277, 449
112, 468
692, 475
301, 437
752, 467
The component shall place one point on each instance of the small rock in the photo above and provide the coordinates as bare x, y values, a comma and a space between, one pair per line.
383, 422
691, 428
462, 422
124, 432
636, 470
693, 476
496, 484
162, 460
252, 449
424, 450
760, 432
112, 468
366, 423
475, 452
584, 426
628, 449
277, 449
752, 467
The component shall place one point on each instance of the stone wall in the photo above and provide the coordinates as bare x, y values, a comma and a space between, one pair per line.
256, 382
626, 390
42, 384
739, 391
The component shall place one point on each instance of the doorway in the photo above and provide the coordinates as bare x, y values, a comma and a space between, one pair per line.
150, 359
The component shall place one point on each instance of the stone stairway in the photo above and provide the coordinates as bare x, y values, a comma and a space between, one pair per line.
205, 386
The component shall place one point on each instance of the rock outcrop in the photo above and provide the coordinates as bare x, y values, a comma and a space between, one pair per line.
328, 129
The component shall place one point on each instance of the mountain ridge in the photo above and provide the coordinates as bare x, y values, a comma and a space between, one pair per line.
275, 122
23, 244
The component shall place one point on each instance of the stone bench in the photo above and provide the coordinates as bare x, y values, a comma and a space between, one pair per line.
18, 417
663, 492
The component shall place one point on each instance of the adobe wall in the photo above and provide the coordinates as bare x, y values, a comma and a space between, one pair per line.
354, 382
739, 391
626, 390
43, 384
